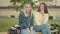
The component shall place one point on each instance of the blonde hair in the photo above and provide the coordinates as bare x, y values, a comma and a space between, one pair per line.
25, 5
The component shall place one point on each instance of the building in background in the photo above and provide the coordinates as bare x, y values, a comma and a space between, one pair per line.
8, 10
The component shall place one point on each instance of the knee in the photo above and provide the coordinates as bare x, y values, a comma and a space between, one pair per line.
24, 32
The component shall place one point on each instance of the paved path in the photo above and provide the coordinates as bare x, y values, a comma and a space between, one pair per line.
3, 32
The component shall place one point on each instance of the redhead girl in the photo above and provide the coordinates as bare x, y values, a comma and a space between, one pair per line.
41, 19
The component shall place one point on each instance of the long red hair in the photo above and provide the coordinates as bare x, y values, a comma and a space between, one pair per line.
45, 8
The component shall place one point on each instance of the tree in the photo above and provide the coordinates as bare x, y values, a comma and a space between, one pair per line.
22, 2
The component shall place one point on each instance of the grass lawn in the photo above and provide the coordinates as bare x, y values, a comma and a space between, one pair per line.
3, 32
6, 23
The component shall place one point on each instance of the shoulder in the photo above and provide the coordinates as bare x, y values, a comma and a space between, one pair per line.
35, 12
21, 13
46, 15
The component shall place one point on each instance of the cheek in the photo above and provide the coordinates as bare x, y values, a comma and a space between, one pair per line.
42, 11
28, 8
41, 7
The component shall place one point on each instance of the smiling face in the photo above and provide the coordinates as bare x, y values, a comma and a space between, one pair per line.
42, 8
28, 7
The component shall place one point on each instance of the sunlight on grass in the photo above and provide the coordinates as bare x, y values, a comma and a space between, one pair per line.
6, 23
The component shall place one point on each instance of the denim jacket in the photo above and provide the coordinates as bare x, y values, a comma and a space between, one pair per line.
25, 22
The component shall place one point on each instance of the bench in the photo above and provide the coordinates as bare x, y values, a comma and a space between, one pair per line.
55, 31
52, 31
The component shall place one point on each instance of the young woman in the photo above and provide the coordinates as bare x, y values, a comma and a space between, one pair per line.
41, 18
26, 20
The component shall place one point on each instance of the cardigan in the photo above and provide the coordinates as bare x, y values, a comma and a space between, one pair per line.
25, 22
38, 19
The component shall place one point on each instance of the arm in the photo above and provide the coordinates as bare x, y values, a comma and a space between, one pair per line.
45, 20
32, 21
22, 20
36, 18
32, 25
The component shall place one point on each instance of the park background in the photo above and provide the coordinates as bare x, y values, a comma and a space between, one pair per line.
9, 13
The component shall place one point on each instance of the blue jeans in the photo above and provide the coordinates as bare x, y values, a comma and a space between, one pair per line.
44, 28
24, 31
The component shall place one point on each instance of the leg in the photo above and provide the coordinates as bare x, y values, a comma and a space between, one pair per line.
48, 29
45, 29
34, 32
37, 28
24, 31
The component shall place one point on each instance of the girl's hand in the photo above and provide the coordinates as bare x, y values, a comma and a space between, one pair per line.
28, 30
31, 32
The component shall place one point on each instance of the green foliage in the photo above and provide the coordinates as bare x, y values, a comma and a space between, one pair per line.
22, 2
6, 23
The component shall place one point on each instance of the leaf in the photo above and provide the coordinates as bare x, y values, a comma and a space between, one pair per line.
23, 2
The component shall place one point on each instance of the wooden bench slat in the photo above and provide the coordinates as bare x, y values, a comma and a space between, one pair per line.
52, 31
55, 30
